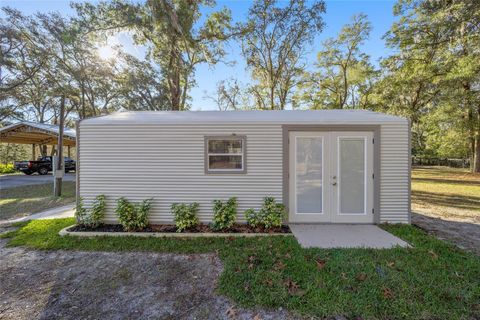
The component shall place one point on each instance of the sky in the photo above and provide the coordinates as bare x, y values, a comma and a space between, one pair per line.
338, 13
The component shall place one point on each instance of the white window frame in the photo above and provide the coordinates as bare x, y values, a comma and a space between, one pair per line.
243, 154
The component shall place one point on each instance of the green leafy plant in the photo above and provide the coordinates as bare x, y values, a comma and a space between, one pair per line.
98, 211
252, 217
81, 213
224, 213
270, 215
133, 217
185, 215
91, 218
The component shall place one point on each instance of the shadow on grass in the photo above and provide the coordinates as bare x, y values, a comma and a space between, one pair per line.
447, 181
448, 200
463, 234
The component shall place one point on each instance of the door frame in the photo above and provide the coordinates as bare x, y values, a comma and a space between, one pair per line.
354, 127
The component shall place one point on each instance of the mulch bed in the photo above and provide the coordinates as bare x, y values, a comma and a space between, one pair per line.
202, 228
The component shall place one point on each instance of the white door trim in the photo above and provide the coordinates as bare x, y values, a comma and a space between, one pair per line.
331, 168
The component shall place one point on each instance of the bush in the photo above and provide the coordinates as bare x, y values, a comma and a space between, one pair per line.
6, 168
91, 218
270, 215
81, 213
224, 213
133, 217
185, 215
98, 211
252, 217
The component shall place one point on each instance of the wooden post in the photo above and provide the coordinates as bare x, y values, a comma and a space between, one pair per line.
57, 186
33, 152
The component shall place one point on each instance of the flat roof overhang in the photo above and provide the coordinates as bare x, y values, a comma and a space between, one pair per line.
36, 133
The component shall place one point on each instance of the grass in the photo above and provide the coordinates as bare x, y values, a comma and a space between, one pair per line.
432, 280
25, 200
446, 192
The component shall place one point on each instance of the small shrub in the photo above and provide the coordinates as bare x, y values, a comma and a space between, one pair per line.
271, 213
252, 217
98, 211
185, 215
7, 168
224, 213
133, 217
81, 213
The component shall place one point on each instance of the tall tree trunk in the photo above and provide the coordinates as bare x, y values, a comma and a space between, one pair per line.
476, 151
476, 157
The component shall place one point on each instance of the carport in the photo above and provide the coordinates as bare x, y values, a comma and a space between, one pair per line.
37, 134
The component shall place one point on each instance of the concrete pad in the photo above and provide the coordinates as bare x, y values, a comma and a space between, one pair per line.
66, 211
344, 236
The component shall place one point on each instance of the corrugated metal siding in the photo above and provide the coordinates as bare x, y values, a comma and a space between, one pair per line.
166, 163
394, 180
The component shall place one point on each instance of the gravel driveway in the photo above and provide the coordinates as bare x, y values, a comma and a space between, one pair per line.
114, 285
17, 180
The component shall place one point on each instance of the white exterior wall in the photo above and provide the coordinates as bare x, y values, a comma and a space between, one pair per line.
395, 173
166, 163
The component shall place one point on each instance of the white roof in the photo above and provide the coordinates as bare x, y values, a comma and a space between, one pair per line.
251, 116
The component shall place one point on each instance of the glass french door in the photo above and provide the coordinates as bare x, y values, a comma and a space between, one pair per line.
331, 177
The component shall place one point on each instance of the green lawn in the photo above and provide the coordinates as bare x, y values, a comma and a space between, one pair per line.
25, 200
446, 192
432, 280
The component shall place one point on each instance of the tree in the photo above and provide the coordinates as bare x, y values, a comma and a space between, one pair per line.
20, 63
168, 29
343, 77
274, 44
71, 67
437, 67
142, 87
228, 95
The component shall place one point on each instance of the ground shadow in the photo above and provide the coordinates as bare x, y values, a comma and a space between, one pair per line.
465, 235
447, 200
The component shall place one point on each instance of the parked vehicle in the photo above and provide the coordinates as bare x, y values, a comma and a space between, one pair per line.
43, 165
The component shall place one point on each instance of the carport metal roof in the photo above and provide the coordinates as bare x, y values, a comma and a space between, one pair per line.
36, 133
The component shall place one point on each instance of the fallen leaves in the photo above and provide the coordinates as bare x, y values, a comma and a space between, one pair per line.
320, 264
268, 282
387, 293
251, 262
231, 312
293, 288
279, 265
362, 276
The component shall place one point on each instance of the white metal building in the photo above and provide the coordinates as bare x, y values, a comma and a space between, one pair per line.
329, 166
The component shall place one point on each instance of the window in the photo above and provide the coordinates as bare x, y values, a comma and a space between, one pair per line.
225, 154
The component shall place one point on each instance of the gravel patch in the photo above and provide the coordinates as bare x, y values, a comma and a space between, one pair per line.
464, 233
114, 285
